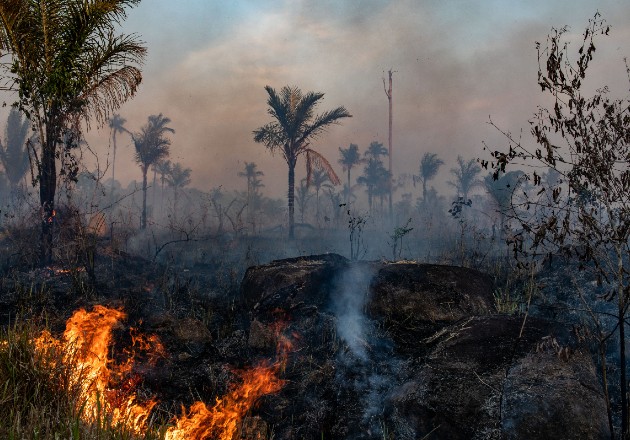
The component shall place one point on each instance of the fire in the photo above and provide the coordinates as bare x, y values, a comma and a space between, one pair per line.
106, 387
222, 420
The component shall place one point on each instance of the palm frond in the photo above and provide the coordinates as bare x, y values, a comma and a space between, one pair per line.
321, 123
314, 160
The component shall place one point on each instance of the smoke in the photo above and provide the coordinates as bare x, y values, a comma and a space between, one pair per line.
348, 306
368, 367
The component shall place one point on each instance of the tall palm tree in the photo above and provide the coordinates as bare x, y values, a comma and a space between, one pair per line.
501, 191
253, 183
163, 168
429, 166
294, 127
178, 178
465, 177
14, 151
318, 180
116, 125
375, 176
350, 157
152, 146
251, 174
67, 64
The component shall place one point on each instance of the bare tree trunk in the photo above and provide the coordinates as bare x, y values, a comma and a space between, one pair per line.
388, 92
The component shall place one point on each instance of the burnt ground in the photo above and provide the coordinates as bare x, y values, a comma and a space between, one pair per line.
381, 350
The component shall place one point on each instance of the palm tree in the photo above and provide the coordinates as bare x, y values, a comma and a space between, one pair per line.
429, 166
67, 64
251, 174
375, 176
151, 147
253, 183
465, 177
178, 178
376, 150
116, 125
318, 180
350, 157
501, 191
163, 168
14, 151
294, 127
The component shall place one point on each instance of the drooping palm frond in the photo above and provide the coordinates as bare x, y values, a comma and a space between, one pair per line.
315, 161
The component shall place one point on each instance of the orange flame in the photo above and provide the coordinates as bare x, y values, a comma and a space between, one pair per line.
105, 387
223, 419
109, 388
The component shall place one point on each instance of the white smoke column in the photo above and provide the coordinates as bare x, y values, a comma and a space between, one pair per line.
369, 367
348, 305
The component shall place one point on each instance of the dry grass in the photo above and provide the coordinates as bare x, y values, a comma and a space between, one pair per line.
37, 398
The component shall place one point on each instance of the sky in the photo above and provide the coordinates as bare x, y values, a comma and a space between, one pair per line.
456, 63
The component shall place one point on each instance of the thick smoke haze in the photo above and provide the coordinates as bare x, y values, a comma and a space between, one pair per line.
456, 63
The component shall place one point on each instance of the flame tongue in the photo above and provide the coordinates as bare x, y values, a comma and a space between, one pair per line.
108, 389
87, 339
222, 420
100, 381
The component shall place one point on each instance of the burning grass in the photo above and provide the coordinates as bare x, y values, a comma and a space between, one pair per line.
75, 387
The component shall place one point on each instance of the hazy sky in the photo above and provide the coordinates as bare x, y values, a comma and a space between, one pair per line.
456, 63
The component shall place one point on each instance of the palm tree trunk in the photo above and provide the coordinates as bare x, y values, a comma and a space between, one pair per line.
175, 207
348, 193
114, 161
154, 188
291, 197
162, 195
143, 218
424, 190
